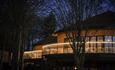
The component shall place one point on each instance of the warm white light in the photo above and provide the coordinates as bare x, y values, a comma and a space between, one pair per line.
38, 53
108, 40
75, 68
57, 44
33, 54
32, 51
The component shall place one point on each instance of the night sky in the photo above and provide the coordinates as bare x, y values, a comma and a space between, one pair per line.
63, 8
64, 12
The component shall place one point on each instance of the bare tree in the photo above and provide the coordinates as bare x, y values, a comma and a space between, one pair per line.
16, 20
77, 34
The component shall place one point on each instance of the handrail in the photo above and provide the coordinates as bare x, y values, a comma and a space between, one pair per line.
59, 48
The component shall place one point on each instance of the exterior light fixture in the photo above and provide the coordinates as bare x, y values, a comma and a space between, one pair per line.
75, 68
108, 40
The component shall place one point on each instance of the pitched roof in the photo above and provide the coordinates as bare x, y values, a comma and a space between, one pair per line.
101, 21
104, 20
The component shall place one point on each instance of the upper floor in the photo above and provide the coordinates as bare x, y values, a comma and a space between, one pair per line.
95, 43
100, 37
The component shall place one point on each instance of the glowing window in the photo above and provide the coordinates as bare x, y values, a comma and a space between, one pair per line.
100, 47
108, 45
93, 45
113, 44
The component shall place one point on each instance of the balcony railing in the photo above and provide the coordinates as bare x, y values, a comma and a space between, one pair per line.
33, 54
90, 47
64, 48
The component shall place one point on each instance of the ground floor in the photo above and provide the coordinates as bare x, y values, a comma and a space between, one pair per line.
66, 62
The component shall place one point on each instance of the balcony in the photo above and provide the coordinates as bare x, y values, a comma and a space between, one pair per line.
94, 45
33, 54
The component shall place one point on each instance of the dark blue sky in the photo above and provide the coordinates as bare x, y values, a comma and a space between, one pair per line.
63, 8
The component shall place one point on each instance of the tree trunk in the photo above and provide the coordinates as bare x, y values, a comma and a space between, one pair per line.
15, 51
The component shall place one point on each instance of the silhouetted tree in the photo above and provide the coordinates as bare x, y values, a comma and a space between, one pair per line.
16, 19
77, 34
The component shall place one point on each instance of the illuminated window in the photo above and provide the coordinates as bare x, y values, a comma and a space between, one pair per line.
113, 44
53, 50
46, 50
108, 44
87, 49
100, 47
60, 50
70, 50
66, 48
93, 45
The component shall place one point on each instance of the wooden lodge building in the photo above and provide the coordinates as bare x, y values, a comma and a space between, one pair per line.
56, 54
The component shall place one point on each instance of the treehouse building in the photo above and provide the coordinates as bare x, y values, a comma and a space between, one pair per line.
99, 47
